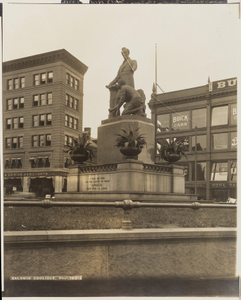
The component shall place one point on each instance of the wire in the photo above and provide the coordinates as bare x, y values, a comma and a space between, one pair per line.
171, 109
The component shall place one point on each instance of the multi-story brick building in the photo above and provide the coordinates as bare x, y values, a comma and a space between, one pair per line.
206, 118
42, 111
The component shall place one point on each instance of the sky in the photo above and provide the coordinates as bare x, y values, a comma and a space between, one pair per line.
192, 42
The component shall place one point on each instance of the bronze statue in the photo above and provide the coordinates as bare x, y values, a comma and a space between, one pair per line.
126, 70
133, 101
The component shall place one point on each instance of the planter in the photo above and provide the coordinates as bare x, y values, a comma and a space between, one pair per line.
130, 151
79, 157
171, 157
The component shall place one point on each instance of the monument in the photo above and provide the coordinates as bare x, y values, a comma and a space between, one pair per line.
125, 166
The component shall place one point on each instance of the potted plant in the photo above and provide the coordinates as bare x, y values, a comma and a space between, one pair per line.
172, 151
81, 150
130, 142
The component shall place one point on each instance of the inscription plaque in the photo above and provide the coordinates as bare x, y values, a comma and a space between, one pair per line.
97, 183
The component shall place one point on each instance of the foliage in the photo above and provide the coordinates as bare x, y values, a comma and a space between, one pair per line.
82, 145
176, 146
130, 138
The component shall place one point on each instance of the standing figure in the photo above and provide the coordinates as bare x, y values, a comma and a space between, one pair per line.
126, 70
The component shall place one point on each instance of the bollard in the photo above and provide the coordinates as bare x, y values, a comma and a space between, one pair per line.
126, 223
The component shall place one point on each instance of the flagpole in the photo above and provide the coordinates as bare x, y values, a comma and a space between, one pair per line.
156, 66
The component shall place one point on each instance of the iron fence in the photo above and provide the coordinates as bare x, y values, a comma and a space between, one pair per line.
126, 205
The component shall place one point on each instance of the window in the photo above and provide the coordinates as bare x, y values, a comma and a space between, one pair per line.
233, 171
42, 99
15, 83
20, 142
8, 143
199, 118
14, 143
201, 171
67, 78
183, 140
70, 122
35, 121
15, 103
219, 141
9, 104
33, 162
22, 82
13, 163
49, 119
219, 171
67, 120
233, 114
34, 141
50, 77
76, 84
47, 162
220, 115
181, 120
35, 100
36, 79
43, 78
15, 123
48, 140
21, 121
39, 162
71, 81
49, 98
201, 143
21, 102
71, 102
75, 124
67, 100
8, 123
42, 140
163, 123
68, 140
234, 140
75, 104
9, 84
41, 120
19, 164
7, 164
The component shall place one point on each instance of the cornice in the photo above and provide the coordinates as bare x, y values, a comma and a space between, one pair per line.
43, 59
154, 103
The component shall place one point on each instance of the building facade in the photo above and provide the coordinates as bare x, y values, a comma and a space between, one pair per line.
42, 112
205, 118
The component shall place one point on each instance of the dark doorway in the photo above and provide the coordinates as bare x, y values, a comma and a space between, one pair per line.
12, 184
41, 186
220, 195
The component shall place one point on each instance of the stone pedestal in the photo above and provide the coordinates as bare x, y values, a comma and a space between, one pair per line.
108, 153
129, 179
